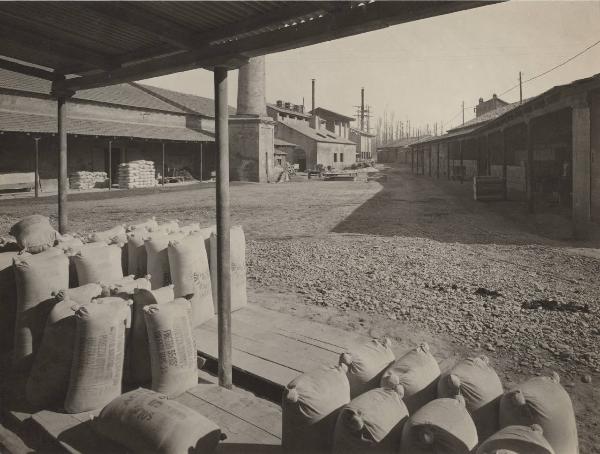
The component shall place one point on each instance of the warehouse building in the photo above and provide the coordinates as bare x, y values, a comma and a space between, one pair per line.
364, 144
133, 121
546, 149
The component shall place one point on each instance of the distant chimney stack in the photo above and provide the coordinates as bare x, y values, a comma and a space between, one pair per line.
315, 123
480, 100
494, 96
279, 103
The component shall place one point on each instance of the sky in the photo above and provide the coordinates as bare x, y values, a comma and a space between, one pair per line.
423, 71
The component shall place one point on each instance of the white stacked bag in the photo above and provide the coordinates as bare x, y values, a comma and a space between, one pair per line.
87, 180
137, 174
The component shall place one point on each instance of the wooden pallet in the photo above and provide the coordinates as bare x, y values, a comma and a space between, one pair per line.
276, 347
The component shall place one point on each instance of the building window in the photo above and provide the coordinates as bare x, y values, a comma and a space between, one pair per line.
279, 163
334, 157
341, 157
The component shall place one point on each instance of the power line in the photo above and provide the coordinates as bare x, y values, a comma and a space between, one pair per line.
553, 68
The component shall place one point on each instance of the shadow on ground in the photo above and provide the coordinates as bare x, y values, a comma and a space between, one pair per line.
422, 206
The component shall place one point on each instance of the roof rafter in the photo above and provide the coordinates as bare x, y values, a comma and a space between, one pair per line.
331, 26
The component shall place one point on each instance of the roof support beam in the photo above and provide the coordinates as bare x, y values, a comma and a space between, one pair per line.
347, 22
28, 70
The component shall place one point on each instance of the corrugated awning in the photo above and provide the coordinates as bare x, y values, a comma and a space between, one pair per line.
46, 124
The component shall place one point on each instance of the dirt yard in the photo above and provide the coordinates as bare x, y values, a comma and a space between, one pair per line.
411, 257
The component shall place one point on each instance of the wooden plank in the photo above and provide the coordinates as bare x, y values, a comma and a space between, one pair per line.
243, 419
275, 346
74, 432
260, 413
278, 348
271, 372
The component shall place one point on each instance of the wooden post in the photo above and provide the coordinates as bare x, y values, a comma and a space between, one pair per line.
429, 159
438, 159
412, 160
63, 180
530, 173
223, 227
489, 156
109, 165
460, 147
448, 148
163, 165
201, 169
37, 167
504, 165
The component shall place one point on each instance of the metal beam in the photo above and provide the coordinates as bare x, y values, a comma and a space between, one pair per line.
349, 21
223, 227
63, 180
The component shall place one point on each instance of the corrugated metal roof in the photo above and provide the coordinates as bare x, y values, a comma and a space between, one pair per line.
31, 123
321, 135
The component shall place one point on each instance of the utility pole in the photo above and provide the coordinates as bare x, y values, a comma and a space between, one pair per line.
463, 112
520, 89
362, 109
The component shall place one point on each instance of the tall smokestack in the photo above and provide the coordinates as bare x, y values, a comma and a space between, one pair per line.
362, 109
314, 120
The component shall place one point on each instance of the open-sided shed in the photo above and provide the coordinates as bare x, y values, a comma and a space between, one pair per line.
81, 45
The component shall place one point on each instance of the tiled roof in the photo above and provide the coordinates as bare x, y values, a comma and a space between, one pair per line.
127, 95
34, 123
321, 135
184, 101
320, 110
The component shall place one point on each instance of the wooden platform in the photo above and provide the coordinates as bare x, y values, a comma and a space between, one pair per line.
252, 425
276, 347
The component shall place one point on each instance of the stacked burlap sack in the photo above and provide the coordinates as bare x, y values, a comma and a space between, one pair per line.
87, 180
372, 402
137, 174
80, 344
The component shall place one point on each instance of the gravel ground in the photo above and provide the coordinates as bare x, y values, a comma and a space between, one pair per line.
411, 251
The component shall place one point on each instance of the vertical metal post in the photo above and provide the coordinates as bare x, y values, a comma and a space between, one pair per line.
530, 172
163, 165
37, 167
109, 165
63, 181
412, 160
223, 228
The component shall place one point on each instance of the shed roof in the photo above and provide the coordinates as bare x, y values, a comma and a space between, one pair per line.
133, 95
113, 42
46, 124
321, 135
401, 143
330, 113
